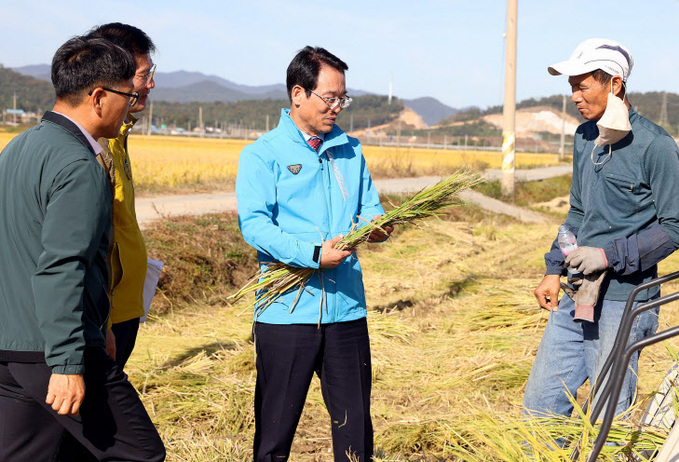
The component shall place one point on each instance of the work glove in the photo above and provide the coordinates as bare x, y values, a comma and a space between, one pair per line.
587, 260
585, 294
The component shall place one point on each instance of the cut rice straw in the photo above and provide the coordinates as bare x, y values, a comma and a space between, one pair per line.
276, 279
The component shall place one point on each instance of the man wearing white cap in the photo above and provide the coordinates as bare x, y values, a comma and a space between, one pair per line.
624, 212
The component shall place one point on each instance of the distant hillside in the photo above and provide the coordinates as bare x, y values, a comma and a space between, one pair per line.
39, 71
214, 93
32, 94
537, 120
430, 109
209, 92
179, 79
187, 87
366, 111
179, 96
184, 87
648, 104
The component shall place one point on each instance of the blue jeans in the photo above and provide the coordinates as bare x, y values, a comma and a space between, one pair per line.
572, 352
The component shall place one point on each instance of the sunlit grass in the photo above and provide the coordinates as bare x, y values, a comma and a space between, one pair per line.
163, 163
5, 138
406, 161
170, 163
454, 328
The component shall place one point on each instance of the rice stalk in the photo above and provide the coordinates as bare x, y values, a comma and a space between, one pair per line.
491, 437
276, 279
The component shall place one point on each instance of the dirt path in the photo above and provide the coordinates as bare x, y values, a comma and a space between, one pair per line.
153, 208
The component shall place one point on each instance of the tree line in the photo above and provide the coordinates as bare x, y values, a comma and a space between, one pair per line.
32, 95
365, 111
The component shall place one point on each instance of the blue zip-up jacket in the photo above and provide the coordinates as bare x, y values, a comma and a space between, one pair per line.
627, 205
292, 199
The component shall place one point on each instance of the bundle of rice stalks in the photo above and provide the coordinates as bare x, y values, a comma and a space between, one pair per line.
275, 279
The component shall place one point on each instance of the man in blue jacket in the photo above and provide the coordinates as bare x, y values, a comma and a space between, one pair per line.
55, 220
625, 213
300, 188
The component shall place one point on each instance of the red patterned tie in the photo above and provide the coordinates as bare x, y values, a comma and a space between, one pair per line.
315, 142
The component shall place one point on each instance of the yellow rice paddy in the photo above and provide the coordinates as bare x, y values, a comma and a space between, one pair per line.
165, 163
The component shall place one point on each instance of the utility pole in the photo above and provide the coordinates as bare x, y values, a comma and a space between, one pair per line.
663, 122
391, 89
398, 134
14, 114
509, 108
148, 132
562, 147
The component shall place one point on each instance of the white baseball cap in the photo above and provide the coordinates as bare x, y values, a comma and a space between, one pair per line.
596, 53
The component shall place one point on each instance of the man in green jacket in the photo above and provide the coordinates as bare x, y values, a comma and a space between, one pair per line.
127, 256
55, 375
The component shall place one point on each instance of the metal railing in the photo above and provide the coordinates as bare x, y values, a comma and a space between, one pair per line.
618, 361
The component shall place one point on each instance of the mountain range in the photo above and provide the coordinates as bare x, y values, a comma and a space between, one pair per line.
186, 87
181, 97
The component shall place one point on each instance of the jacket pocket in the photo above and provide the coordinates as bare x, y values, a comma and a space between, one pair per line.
116, 267
623, 193
622, 183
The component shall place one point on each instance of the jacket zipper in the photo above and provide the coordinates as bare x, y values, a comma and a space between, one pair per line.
326, 183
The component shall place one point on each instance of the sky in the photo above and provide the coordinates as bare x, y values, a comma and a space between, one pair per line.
452, 50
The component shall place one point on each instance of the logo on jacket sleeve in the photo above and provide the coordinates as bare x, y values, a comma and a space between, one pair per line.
294, 169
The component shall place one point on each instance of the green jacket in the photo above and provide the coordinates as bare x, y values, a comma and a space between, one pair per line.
55, 219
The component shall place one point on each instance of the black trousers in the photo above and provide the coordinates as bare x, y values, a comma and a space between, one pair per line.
287, 357
113, 424
126, 336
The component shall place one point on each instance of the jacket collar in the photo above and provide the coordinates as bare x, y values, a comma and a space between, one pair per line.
66, 124
633, 115
335, 137
129, 123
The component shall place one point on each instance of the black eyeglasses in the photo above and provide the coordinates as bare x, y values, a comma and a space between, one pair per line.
334, 102
134, 96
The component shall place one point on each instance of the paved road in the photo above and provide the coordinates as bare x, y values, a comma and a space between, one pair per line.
533, 174
153, 208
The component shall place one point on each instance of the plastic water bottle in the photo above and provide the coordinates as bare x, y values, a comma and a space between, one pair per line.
567, 243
